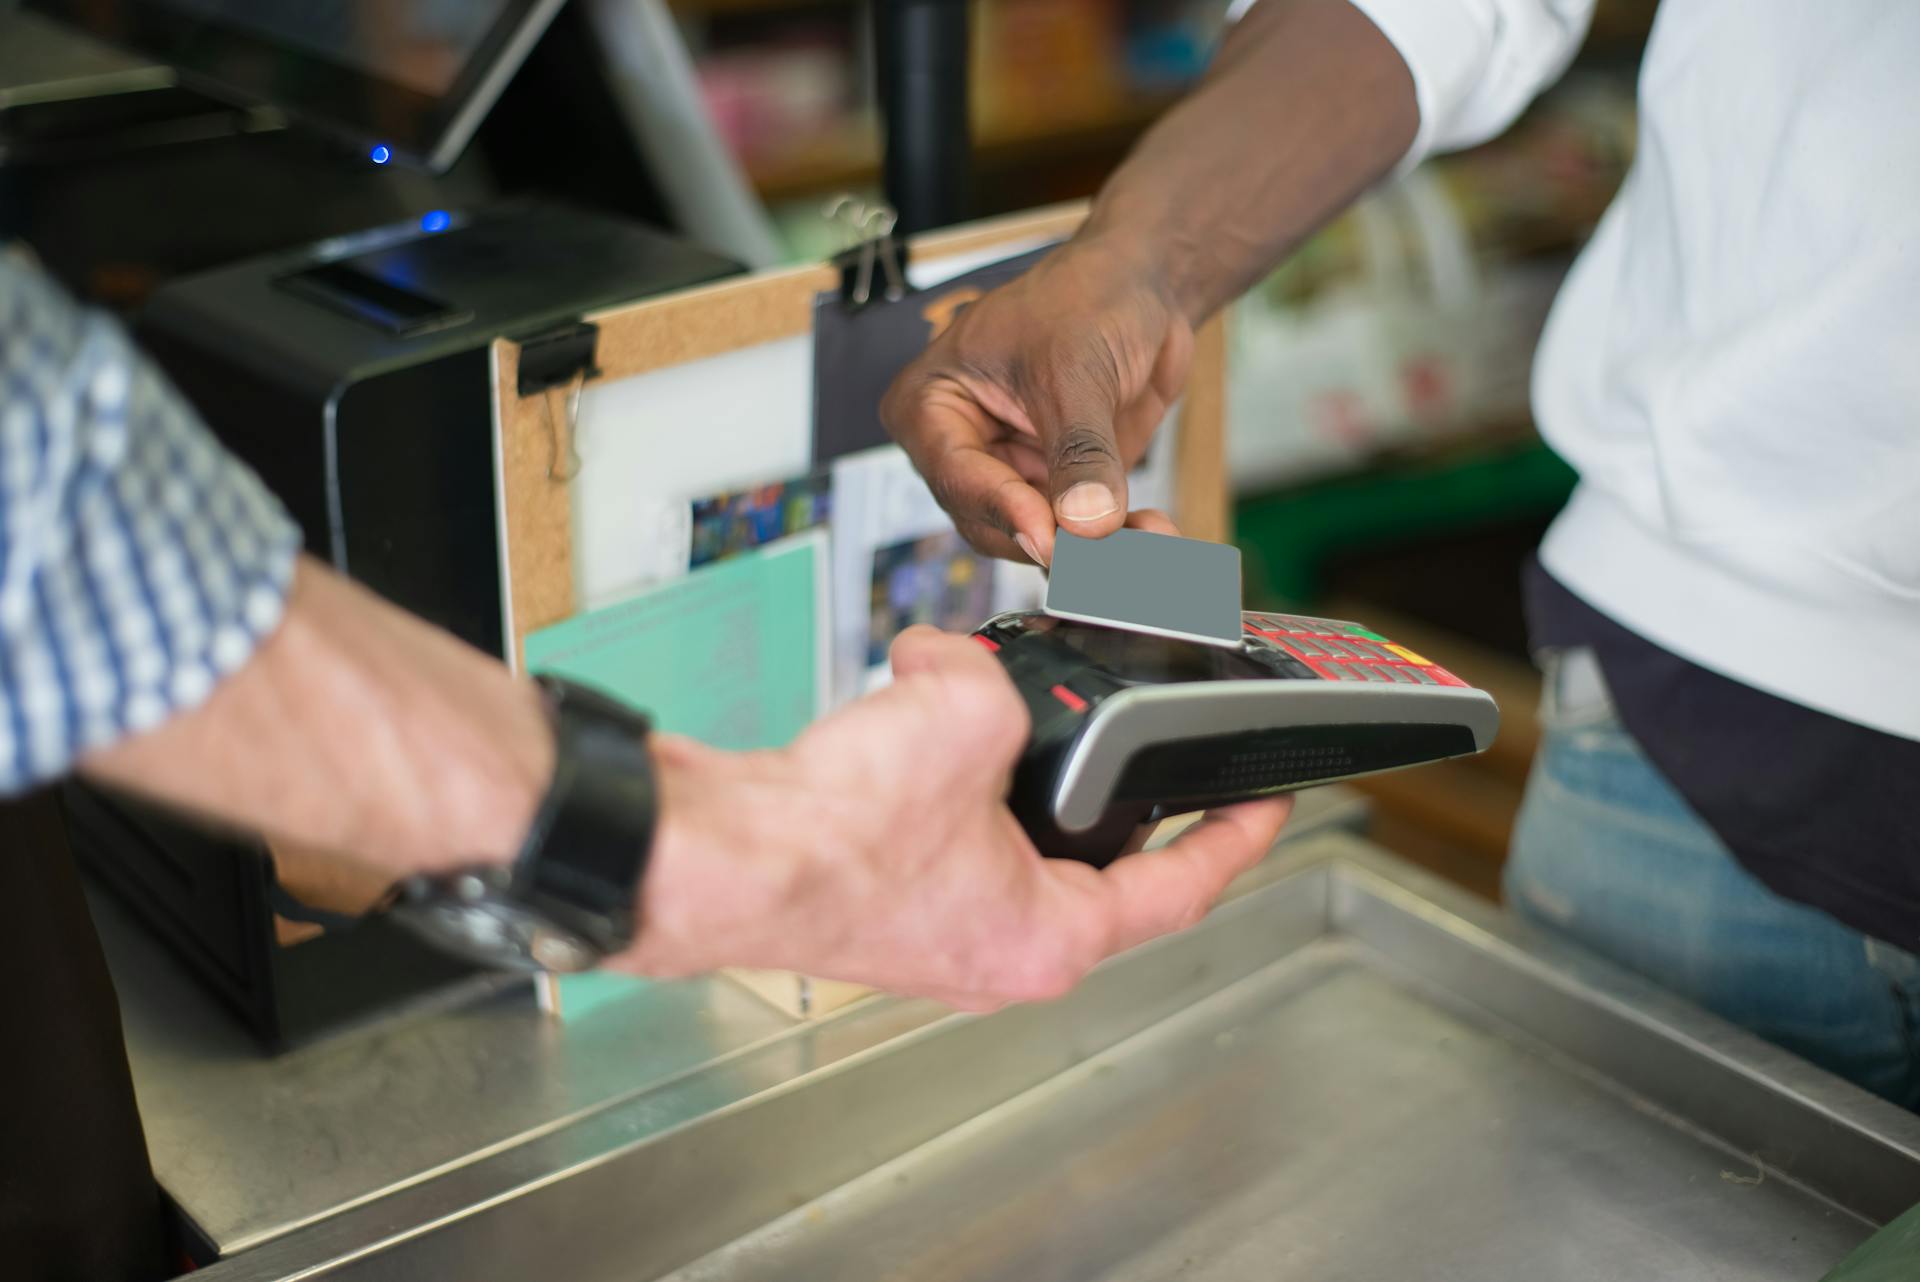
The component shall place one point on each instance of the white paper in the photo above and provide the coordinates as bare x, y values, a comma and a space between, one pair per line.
942, 270
674, 435
656, 542
878, 500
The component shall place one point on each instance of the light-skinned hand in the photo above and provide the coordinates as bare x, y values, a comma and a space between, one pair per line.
879, 848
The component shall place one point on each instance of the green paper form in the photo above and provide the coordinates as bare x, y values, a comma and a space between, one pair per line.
731, 655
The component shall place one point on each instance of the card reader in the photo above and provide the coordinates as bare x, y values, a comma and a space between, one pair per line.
1131, 727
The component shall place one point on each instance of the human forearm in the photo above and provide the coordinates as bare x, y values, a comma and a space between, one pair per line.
1026, 413
355, 728
874, 850
1031, 407
158, 631
1306, 105
878, 848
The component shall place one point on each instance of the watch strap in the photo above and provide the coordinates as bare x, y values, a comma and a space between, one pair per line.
587, 848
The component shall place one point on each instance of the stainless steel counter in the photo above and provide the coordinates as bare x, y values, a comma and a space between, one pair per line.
251, 1148
1349, 1071
1323, 1118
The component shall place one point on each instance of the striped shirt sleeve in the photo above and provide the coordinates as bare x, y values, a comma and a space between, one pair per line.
139, 562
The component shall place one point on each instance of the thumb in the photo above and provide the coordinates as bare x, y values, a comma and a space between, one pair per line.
1085, 478
920, 649
967, 691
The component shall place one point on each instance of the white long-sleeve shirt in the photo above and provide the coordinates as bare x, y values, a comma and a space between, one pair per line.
1734, 365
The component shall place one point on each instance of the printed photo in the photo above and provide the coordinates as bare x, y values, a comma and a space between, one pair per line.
935, 579
724, 524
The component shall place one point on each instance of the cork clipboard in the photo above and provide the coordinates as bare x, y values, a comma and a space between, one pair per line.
533, 474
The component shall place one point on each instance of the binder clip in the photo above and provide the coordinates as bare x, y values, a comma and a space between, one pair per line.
559, 360
870, 244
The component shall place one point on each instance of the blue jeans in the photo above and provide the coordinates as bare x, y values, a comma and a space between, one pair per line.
1608, 853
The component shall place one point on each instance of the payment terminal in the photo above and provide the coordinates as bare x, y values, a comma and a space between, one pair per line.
1131, 727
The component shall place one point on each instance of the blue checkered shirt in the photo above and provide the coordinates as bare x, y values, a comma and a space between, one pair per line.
139, 562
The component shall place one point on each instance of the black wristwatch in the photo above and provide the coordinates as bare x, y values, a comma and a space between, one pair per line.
568, 900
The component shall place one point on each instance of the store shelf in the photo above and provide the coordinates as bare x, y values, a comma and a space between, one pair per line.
1493, 475
714, 8
852, 157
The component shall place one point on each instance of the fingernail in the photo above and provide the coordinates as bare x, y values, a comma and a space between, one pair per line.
1033, 553
1087, 501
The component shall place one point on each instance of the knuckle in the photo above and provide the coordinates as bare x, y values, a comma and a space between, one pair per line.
990, 724
1008, 490
1052, 970
914, 390
976, 685
1005, 721
1083, 446
997, 693
1191, 913
979, 369
980, 536
899, 410
940, 484
1024, 375
994, 511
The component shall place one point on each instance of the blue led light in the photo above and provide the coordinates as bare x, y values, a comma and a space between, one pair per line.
380, 154
436, 220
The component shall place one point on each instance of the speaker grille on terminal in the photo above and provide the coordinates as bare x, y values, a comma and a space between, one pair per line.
1223, 767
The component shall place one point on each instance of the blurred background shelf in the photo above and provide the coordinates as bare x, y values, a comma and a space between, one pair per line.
1059, 89
852, 159
709, 8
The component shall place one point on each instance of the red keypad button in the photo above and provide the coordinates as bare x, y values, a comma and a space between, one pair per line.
1068, 697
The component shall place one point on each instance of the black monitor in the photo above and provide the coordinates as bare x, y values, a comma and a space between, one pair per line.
406, 80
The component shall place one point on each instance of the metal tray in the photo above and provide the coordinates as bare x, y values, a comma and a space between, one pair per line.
1349, 1071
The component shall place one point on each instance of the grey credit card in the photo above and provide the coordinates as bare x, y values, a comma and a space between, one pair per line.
1148, 582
